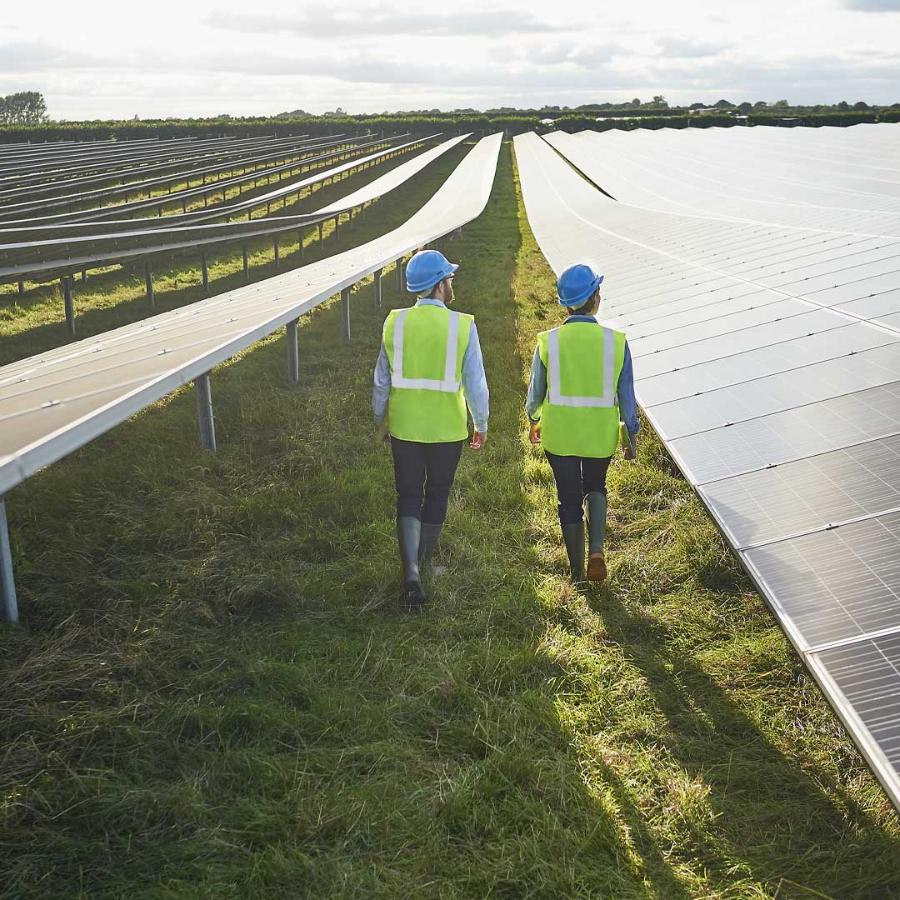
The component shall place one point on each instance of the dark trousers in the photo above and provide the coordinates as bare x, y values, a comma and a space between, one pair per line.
424, 469
576, 477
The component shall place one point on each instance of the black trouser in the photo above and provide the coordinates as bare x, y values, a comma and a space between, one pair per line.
424, 468
576, 477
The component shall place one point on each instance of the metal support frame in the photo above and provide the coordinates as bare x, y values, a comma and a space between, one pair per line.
7, 581
400, 275
204, 269
205, 417
21, 288
148, 281
277, 252
319, 226
66, 283
345, 311
292, 333
246, 264
378, 289
300, 243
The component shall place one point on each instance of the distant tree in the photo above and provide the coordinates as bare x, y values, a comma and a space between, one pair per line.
781, 104
861, 105
659, 100
723, 104
760, 104
24, 108
697, 106
636, 102
745, 108
843, 105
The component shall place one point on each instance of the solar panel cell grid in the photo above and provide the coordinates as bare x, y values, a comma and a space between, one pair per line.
808, 494
835, 585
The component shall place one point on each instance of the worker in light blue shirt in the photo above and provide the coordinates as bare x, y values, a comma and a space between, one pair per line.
428, 378
581, 388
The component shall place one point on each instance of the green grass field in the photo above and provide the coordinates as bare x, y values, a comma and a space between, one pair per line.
215, 694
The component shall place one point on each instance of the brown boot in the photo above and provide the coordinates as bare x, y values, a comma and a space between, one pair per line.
596, 567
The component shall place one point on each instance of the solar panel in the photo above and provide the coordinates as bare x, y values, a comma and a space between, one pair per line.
784, 356
865, 676
835, 585
808, 494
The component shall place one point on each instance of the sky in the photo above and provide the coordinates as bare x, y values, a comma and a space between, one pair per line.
96, 59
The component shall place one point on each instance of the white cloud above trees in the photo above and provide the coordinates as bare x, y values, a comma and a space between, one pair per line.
213, 56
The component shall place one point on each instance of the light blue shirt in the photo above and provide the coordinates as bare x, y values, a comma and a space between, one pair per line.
473, 379
537, 386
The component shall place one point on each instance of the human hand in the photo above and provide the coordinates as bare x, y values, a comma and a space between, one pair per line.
534, 433
479, 439
630, 450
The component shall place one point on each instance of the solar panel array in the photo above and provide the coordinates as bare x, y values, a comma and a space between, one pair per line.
757, 274
55, 402
41, 251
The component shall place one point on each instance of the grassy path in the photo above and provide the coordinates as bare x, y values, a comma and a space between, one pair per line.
218, 697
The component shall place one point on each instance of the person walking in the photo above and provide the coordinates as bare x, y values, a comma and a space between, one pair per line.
429, 370
581, 384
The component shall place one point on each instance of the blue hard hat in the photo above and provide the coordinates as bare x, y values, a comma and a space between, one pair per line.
577, 284
426, 269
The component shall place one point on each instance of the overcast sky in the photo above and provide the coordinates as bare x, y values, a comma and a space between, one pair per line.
94, 59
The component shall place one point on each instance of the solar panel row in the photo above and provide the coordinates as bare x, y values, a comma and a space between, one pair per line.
758, 279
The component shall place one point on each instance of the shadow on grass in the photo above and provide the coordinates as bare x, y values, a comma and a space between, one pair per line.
767, 812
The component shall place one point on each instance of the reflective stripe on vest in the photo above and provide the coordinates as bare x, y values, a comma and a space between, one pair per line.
558, 398
449, 384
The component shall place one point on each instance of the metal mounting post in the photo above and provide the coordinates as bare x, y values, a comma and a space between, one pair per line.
345, 311
246, 264
66, 283
277, 252
400, 275
204, 269
205, 417
148, 281
7, 581
21, 288
378, 289
293, 345
300, 243
319, 226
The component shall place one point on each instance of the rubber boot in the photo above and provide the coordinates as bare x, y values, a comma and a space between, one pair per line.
573, 536
596, 513
409, 533
430, 536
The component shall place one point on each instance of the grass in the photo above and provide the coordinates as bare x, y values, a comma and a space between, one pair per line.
215, 694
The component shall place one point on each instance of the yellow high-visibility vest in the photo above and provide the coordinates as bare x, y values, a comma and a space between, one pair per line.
580, 413
425, 346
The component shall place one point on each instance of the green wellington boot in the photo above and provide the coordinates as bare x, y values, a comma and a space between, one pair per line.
573, 536
409, 534
428, 543
596, 513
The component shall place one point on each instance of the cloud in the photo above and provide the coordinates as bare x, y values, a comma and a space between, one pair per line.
688, 48
36, 56
322, 22
872, 5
